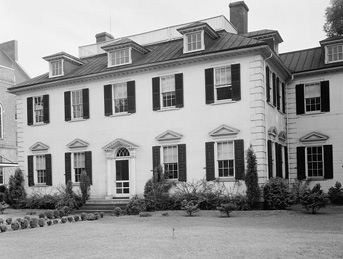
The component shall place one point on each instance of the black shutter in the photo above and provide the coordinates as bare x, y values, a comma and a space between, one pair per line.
236, 82
48, 169
328, 162
67, 161
300, 99
278, 93
88, 165
239, 159
46, 116
210, 175
156, 157
179, 90
278, 152
209, 85
267, 84
108, 100
274, 90
156, 105
325, 96
270, 159
67, 106
301, 166
29, 111
31, 180
283, 98
182, 162
131, 97
85, 100
286, 163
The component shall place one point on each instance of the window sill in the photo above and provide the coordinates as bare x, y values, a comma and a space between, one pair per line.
315, 179
223, 102
226, 179
168, 109
120, 114
77, 120
312, 113
76, 184
39, 124
40, 185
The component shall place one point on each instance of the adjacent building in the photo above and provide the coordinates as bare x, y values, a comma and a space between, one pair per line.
11, 73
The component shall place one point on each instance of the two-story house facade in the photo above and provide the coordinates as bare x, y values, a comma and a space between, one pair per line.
191, 98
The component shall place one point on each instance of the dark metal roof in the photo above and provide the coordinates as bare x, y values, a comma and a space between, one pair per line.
160, 52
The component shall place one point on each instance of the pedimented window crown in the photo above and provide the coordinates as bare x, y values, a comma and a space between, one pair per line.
169, 136
39, 147
224, 132
282, 136
272, 132
314, 137
78, 144
119, 143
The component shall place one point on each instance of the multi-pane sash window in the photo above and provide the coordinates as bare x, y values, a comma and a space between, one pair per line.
168, 91
77, 104
312, 97
120, 97
315, 161
79, 165
334, 53
170, 161
40, 168
223, 83
225, 157
120, 57
38, 109
56, 68
194, 41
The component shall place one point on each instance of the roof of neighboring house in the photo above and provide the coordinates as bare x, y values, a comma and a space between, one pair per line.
160, 52
20, 73
306, 60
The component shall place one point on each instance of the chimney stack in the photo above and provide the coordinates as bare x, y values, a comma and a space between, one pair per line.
103, 36
239, 16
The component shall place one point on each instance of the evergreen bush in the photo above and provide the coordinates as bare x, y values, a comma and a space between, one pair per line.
276, 194
253, 192
83, 216
49, 222
15, 225
9, 221
64, 219
33, 222
336, 194
135, 206
69, 198
76, 218
41, 222
313, 199
55, 221
16, 191
227, 208
3, 228
85, 186
70, 219
190, 207
49, 214
24, 224
61, 213
102, 214
41, 215
56, 214
117, 211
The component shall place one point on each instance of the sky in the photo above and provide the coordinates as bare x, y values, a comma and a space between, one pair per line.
45, 27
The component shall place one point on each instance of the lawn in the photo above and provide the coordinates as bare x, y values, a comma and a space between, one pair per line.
250, 234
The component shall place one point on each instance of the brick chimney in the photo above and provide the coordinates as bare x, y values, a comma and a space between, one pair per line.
239, 16
103, 36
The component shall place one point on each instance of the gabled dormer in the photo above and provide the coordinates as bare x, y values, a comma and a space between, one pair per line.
333, 48
123, 51
62, 63
196, 36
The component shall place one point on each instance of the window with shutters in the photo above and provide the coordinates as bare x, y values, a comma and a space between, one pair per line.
194, 41
334, 53
56, 68
1, 174
170, 161
77, 104
312, 97
222, 83
168, 91
120, 57
1, 123
120, 97
79, 165
225, 159
315, 161
38, 109
40, 169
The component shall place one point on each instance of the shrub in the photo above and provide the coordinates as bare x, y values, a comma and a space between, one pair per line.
15, 225
276, 194
3, 206
49, 214
313, 200
85, 186
64, 219
83, 216
9, 221
16, 191
3, 228
49, 222
135, 206
33, 222
76, 218
190, 207
55, 221
70, 219
3, 188
27, 217
297, 187
144, 214
41, 215
91, 216
227, 208
2, 197
102, 214
97, 215
56, 214
241, 202
336, 194
117, 211
61, 213
66, 210
1, 221
69, 198
38, 200
24, 224
41, 222
251, 180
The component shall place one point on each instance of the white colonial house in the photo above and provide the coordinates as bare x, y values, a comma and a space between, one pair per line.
191, 98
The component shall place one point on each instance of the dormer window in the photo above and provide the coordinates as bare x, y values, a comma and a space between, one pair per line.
120, 57
194, 41
334, 53
56, 68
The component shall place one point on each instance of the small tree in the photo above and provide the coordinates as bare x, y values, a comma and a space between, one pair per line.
85, 188
251, 179
313, 200
334, 21
16, 191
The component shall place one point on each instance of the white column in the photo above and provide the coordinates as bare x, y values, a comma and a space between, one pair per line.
109, 161
133, 173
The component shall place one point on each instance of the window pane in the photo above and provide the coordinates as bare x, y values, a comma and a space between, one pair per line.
315, 161
224, 93
77, 104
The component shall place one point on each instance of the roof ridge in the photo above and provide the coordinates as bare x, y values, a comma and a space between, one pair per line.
300, 50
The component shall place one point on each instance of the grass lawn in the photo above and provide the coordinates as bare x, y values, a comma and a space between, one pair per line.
208, 234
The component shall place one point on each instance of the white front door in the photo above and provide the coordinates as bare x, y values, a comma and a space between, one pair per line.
122, 178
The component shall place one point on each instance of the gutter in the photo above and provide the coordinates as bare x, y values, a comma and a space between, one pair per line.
287, 118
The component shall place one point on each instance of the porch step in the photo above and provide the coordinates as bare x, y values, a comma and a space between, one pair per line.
106, 206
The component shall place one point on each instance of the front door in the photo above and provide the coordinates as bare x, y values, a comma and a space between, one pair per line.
122, 178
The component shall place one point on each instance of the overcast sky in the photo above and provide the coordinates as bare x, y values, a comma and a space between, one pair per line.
45, 27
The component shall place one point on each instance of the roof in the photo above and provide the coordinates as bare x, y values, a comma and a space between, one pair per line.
63, 54
260, 34
160, 52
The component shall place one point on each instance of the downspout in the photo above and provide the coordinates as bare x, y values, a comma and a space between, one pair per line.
288, 163
265, 101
